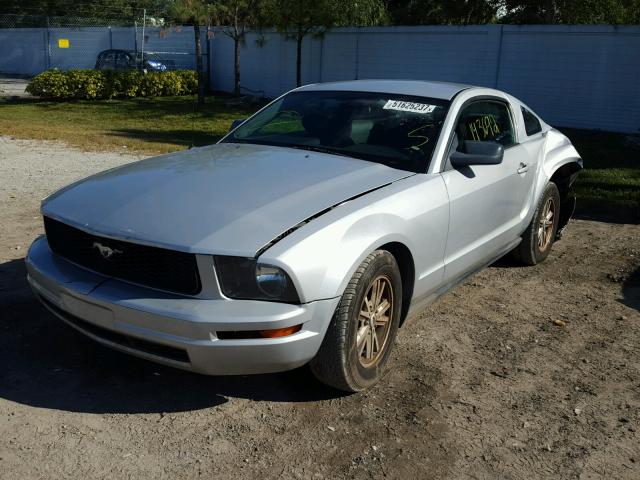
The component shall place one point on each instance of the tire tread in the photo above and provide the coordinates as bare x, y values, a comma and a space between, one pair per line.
527, 252
330, 363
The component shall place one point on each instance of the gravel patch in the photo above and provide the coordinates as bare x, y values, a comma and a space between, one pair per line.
29, 171
13, 87
518, 373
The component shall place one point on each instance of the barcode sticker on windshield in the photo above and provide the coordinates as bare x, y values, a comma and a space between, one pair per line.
409, 106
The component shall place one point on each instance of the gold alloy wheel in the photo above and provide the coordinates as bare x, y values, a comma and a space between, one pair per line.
374, 321
545, 227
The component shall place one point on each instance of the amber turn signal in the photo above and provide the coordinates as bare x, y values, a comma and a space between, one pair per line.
280, 332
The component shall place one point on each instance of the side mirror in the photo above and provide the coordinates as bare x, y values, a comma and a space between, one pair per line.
236, 123
477, 153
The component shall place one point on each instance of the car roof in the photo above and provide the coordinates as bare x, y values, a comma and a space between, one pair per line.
433, 89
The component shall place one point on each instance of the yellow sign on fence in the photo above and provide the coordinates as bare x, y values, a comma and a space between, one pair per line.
63, 43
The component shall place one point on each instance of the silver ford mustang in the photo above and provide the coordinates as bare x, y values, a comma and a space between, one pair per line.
310, 232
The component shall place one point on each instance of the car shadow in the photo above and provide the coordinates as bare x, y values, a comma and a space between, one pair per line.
607, 214
507, 261
48, 364
631, 290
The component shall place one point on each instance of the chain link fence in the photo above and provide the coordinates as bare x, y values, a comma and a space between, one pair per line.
30, 44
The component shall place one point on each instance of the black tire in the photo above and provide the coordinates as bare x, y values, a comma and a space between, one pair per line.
340, 363
535, 249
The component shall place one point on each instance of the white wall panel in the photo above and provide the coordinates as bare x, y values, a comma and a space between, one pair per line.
577, 76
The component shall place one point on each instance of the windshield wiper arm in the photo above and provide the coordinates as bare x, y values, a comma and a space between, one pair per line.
318, 149
313, 148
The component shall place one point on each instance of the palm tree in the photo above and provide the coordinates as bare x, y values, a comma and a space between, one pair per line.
195, 13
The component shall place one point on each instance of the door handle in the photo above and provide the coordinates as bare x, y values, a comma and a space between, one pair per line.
523, 167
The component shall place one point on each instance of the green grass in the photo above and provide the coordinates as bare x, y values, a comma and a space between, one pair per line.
611, 175
149, 126
611, 179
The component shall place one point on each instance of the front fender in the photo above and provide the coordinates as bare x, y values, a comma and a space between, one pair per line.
360, 239
322, 256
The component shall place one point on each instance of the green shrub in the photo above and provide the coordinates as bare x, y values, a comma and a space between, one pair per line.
93, 84
85, 84
50, 84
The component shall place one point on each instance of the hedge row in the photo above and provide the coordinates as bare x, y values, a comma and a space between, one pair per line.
91, 84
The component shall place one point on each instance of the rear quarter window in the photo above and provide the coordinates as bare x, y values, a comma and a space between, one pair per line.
531, 122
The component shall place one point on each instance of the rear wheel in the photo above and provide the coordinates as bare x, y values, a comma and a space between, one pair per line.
538, 239
358, 342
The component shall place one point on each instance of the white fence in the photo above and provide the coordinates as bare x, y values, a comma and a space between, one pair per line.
573, 76
29, 51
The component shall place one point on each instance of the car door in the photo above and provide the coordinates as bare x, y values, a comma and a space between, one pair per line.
486, 201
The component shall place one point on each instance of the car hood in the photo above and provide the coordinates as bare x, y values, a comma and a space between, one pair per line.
229, 199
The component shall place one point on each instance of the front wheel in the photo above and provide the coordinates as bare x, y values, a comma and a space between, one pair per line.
538, 239
358, 342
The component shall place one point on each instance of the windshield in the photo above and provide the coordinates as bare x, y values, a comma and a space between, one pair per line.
147, 56
396, 130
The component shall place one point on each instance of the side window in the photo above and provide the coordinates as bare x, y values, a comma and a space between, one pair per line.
109, 61
531, 122
486, 121
122, 61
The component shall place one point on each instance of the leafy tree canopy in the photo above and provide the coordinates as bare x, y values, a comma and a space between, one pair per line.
571, 11
442, 12
124, 10
190, 12
235, 17
328, 13
294, 17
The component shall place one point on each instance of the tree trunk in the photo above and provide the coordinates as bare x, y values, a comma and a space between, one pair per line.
196, 32
236, 65
550, 13
299, 60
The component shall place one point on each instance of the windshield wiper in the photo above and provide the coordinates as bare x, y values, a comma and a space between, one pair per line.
388, 161
315, 148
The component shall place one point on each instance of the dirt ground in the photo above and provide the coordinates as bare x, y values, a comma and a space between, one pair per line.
484, 384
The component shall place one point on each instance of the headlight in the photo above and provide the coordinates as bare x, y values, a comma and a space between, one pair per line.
245, 278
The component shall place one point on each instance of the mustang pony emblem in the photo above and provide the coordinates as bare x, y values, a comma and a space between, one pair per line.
106, 252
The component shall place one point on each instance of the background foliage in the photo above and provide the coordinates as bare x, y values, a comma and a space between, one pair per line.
94, 84
353, 12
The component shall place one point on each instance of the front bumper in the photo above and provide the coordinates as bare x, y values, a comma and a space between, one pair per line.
172, 329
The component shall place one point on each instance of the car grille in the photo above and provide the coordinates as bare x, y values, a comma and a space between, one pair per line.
149, 266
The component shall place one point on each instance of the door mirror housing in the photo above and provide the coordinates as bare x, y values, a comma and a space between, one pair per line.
477, 153
236, 123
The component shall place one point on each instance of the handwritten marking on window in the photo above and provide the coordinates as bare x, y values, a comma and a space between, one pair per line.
484, 128
415, 134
